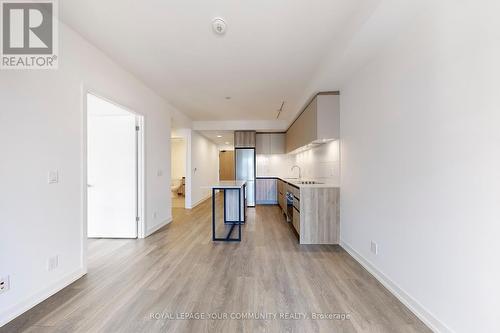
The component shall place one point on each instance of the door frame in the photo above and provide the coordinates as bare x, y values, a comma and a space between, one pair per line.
140, 178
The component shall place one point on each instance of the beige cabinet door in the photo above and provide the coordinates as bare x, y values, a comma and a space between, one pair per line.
262, 143
266, 191
281, 194
277, 143
296, 220
303, 130
244, 139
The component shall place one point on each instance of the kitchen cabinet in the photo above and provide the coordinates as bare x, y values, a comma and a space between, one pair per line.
319, 215
294, 190
262, 143
296, 220
315, 214
270, 143
317, 123
281, 194
244, 139
278, 143
296, 209
266, 191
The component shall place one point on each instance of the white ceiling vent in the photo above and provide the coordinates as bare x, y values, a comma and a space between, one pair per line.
219, 26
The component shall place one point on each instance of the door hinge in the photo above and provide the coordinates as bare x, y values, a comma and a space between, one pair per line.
137, 128
137, 219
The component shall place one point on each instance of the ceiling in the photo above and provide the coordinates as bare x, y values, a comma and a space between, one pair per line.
224, 139
269, 54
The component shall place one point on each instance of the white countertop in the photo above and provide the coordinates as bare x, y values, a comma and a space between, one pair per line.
228, 184
296, 182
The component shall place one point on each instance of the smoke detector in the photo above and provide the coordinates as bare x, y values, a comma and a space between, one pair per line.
219, 26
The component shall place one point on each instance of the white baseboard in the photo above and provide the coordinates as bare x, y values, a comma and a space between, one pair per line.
157, 227
418, 309
200, 201
23, 306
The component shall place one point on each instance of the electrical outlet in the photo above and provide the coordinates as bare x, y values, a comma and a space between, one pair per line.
374, 247
4, 284
52, 263
53, 177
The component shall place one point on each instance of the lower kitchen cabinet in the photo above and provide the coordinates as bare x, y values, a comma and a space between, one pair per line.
319, 215
315, 214
280, 191
282, 194
296, 220
266, 191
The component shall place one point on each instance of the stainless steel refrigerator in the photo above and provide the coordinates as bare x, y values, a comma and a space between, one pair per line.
245, 170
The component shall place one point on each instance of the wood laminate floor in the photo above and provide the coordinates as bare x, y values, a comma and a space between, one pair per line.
178, 201
139, 285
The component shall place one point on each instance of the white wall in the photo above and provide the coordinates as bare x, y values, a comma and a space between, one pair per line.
321, 163
275, 165
203, 166
43, 129
420, 128
178, 159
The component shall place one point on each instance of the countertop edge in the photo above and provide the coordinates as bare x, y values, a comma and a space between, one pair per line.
326, 185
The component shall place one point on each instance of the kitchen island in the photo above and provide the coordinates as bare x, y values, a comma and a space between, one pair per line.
234, 197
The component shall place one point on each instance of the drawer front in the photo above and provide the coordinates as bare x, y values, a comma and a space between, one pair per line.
296, 220
280, 187
294, 190
296, 203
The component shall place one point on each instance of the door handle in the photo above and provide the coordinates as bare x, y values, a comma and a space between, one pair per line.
89, 185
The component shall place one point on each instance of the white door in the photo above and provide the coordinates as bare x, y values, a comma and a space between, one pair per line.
111, 170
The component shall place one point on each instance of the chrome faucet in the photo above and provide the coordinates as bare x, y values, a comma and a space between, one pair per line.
296, 166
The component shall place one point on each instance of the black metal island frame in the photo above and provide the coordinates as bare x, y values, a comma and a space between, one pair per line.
234, 208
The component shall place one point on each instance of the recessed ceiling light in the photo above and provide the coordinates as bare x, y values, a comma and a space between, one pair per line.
219, 136
228, 97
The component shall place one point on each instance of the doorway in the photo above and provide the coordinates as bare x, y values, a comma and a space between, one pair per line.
226, 165
178, 153
114, 171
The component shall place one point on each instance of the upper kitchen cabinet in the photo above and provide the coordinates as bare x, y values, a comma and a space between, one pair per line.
270, 143
244, 139
317, 123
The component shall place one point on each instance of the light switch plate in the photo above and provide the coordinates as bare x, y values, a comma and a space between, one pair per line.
4, 284
52, 263
374, 247
53, 177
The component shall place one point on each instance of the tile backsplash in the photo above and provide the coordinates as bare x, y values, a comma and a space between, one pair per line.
275, 165
320, 163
